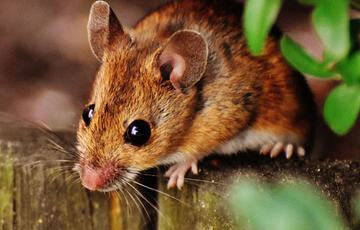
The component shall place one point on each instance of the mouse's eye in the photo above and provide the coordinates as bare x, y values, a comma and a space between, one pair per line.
88, 113
138, 133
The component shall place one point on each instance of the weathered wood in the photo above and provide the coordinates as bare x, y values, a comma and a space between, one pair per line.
206, 202
37, 196
34, 194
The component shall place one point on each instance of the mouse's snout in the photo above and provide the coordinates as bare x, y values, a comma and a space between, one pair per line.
97, 178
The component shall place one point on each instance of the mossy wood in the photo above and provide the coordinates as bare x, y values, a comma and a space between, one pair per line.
204, 204
34, 194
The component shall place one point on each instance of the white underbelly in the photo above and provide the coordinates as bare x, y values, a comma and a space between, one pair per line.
247, 140
254, 140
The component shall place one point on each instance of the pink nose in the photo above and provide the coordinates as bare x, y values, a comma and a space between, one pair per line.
96, 178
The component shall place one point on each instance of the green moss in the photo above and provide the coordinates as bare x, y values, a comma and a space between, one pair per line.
200, 208
6, 188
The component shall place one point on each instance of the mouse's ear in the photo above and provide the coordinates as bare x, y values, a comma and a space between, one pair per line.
103, 27
183, 59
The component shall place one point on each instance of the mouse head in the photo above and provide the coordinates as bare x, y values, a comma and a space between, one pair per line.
143, 99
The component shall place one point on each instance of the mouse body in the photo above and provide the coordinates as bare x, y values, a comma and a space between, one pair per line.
181, 85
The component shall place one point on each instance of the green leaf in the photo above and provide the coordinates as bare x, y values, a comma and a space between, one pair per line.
349, 68
246, 199
342, 107
311, 207
331, 22
259, 16
299, 59
284, 207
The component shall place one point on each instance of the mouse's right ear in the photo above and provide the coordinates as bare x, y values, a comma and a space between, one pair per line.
103, 28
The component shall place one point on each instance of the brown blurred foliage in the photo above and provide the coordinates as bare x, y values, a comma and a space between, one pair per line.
46, 66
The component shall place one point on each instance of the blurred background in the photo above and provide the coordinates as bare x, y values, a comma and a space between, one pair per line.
46, 66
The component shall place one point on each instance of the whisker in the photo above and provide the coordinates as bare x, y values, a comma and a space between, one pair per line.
161, 192
119, 189
192, 181
143, 206
126, 200
189, 179
134, 201
76, 179
59, 170
61, 150
137, 203
69, 177
57, 146
152, 205
54, 139
50, 163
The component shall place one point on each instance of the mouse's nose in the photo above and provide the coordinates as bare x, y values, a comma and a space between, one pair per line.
96, 178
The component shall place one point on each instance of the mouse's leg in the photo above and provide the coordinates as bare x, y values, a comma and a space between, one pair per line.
275, 149
209, 129
176, 173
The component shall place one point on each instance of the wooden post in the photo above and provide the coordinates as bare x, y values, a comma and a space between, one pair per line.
35, 194
204, 204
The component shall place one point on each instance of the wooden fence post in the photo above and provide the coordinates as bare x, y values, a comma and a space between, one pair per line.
203, 202
34, 194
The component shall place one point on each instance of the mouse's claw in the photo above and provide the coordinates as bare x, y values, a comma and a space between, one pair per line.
275, 149
176, 173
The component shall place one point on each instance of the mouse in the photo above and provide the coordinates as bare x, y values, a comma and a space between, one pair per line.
180, 85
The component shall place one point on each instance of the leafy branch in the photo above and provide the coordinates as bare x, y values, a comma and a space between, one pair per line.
341, 56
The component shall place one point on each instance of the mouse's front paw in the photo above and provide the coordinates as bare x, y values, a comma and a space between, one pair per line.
176, 173
275, 149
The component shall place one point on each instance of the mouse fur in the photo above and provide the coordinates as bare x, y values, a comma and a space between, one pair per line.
186, 70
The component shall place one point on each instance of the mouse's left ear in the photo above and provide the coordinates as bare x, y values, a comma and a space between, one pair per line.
103, 28
183, 59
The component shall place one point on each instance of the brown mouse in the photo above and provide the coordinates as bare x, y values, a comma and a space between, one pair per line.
181, 85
